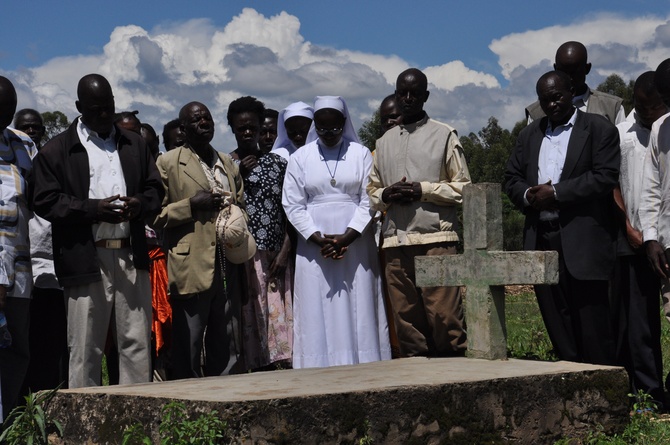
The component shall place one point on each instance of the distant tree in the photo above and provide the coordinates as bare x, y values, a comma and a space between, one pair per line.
614, 84
55, 122
486, 154
370, 131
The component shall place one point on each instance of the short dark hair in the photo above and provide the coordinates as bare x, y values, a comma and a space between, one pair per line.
246, 104
126, 115
150, 129
272, 114
174, 123
24, 111
567, 81
645, 83
662, 78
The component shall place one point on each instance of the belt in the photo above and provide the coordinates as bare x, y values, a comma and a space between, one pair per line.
551, 225
113, 243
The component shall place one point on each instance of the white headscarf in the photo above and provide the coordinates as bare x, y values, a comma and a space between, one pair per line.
337, 103
295, 109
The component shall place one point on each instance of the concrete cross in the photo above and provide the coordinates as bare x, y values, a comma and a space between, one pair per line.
484, 268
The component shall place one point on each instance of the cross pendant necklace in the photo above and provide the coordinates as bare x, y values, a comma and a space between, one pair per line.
333, 182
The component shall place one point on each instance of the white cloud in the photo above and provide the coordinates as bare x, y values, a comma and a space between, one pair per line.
156, 71
632, 35
454, 74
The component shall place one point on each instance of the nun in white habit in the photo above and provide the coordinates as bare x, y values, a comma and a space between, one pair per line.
293, 125
339, 316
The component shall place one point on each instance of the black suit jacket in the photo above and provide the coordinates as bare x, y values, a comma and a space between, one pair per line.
586, 205
61, 181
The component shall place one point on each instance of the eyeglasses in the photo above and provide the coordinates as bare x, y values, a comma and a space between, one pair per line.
325, 131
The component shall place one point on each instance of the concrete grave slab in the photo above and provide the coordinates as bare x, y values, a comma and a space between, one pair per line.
404, 401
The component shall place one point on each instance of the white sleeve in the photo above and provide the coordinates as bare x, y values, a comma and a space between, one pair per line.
363, 214
294, 198
650, 199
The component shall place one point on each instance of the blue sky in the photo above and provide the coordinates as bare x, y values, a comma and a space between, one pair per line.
481, 57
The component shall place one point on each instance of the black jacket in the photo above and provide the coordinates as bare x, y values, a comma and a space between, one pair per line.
585, 198
60, 183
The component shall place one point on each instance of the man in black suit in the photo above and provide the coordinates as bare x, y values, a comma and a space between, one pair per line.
561, 175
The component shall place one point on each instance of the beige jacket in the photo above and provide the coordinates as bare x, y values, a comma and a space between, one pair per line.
190, 239
428, 152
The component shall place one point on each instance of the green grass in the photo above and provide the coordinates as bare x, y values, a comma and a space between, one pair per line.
526, 335
527, 339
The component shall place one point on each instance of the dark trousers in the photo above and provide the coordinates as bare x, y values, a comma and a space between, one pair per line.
217, 316
14, 360
640, 329
576, 312
48, 341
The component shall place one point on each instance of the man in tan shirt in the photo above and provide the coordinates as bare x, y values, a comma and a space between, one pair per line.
418, 175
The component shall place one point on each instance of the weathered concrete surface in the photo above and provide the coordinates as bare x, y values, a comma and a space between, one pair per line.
417, 400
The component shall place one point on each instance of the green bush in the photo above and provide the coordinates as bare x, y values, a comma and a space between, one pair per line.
177, 429
28, 424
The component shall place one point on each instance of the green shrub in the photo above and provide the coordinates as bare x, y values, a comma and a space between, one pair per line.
177, 429
28, 424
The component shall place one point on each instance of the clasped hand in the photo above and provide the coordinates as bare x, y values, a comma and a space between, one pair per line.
402, 192
541, 197
247, 164
208, 200
334, 246
117, 209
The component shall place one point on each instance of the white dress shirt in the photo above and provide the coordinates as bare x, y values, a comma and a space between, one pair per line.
106, 177
634, 143
654, 210
552, 158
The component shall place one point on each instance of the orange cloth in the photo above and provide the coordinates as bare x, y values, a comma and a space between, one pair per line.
162, 311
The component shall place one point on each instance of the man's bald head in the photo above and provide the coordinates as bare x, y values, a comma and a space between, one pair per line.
413, 73
572, 59
197, 125
93, 84
554, 91
7, 102
411, 91
96, 103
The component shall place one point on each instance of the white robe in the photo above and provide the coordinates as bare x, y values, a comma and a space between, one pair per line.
339, 316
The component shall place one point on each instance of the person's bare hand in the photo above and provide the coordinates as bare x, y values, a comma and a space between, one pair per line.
657, 259
634, 237
280, 262
207, 200
133, 207
110, 210
341, 243
541, 197
326, 244
247, 164
402, 192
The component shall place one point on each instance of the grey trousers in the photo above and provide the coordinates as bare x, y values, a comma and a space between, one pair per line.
122, 300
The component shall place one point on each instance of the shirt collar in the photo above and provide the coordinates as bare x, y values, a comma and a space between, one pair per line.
583, 98
569, 123
414, 125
